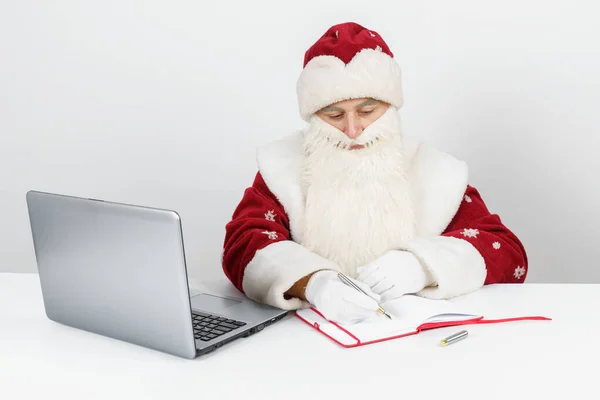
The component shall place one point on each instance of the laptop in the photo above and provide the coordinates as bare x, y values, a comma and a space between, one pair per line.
119, 270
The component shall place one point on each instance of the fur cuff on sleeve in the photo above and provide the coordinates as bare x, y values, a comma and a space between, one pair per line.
456, 266
275, 268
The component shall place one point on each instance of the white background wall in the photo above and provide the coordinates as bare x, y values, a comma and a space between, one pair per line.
163, 104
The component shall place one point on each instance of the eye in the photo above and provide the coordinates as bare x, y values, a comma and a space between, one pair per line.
366, 112
335, 116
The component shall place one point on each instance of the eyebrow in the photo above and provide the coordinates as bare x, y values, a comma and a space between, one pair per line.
367, 102
331, 108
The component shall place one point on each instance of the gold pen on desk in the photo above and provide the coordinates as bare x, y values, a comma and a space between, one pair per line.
455, 337
349, 282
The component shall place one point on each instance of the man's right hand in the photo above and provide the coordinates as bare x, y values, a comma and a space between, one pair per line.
339, 302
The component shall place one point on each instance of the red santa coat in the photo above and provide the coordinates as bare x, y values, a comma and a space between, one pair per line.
457, 238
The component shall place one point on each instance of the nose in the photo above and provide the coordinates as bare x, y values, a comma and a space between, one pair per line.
353, 127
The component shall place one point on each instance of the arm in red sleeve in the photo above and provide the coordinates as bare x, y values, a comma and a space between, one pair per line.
475, 249
502, 251
259, 256
258, 220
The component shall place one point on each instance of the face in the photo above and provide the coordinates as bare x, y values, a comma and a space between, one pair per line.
353, 116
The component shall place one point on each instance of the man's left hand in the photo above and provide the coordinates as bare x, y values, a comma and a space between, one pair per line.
394, 274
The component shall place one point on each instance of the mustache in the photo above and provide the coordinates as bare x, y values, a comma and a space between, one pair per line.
321, 138
346, 145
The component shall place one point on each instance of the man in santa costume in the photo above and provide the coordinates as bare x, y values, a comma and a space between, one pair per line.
351, 193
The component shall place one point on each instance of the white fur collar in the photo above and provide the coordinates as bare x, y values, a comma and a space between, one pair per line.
438, 182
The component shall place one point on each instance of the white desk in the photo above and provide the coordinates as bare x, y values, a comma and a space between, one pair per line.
40, 359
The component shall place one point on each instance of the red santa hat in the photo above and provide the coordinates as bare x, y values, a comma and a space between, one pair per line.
348, 62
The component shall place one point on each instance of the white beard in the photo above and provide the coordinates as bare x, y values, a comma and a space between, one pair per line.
358, 202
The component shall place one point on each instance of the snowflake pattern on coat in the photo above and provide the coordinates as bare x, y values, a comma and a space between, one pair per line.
270, 215
271, 235
519, 272
468, 232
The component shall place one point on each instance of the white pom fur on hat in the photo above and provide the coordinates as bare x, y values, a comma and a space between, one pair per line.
326, 79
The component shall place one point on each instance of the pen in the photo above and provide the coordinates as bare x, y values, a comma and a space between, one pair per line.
455, 337
349, 282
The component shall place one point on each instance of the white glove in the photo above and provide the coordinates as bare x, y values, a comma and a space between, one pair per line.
337, 301
395, 274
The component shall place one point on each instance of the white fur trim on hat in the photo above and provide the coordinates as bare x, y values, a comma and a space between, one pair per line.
326, 80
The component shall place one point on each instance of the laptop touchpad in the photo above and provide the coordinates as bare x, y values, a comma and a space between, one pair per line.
213, 303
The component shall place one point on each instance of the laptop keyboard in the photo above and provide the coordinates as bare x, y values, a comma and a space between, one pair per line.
208, 327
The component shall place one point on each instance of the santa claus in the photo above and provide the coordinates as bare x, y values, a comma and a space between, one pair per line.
351, 193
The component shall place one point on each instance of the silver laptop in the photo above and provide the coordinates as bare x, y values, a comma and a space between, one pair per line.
119, 270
